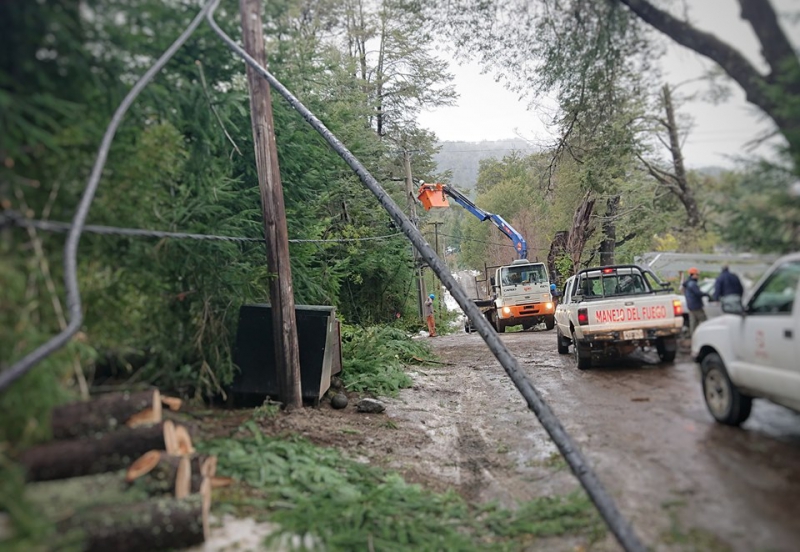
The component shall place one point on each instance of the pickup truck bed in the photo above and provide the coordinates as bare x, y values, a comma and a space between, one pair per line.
614, 310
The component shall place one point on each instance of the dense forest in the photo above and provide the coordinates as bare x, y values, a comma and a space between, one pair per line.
163, 310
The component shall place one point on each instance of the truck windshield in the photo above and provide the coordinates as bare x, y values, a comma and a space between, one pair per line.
597, 284
523, 274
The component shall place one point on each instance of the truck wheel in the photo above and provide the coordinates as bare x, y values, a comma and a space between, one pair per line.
563, 346
550, 322
667, 347
583, 355
724, 401
499, 325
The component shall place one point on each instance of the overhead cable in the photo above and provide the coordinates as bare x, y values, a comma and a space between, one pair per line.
53, 226
605, 504
74, 310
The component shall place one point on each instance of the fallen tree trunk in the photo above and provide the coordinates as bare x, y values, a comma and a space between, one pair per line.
60, 499
106, 413
76, 457
155, 524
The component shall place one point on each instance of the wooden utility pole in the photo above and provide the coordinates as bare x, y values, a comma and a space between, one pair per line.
281, 293
412, 214
438, 254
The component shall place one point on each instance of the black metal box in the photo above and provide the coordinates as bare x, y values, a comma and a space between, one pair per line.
320, 351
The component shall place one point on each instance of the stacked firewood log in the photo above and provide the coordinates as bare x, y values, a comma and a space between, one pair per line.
119, 476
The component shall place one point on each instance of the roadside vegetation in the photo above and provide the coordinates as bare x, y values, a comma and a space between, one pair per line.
374, 359
348, 505
163, 312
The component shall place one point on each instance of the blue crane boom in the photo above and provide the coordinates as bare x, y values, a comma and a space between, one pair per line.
433, 195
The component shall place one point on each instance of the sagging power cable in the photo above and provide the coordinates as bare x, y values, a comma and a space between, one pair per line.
577, 463
54, 226
21, 367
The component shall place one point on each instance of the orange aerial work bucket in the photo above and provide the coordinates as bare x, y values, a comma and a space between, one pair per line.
432, 195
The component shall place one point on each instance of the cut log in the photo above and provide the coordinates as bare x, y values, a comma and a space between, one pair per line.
143, 465
168, 474
191, 423
219, 482
161, 472
183, 478
155, 524
145, 417
170, 441
183, 440
202, 467
59, 500
208, 466
76, 457
205, 500
173, 403
108, 412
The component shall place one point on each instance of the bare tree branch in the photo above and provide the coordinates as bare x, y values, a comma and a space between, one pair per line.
775, 45
708, 45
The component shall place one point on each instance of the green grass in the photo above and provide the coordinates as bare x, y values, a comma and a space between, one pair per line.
347, 505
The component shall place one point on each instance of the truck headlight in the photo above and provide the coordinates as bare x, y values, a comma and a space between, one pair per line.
548, 306
506, 310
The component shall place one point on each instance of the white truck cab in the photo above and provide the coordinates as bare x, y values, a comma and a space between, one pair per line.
752, 350
521, 293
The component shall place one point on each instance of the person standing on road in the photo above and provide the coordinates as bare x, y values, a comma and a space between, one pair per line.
429, 315
554, 294
694, 301
727, 283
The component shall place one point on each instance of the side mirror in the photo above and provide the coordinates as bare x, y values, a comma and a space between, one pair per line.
732, 304
491, 280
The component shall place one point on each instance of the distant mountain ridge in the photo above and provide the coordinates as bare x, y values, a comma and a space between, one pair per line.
463, 158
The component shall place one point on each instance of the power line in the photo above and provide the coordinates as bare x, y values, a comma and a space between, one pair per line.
461, 238
54, 226
575, 459
21, 367
530, 151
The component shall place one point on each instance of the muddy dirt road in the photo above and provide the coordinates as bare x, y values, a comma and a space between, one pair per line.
685, 482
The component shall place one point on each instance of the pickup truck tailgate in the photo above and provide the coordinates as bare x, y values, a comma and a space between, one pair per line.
642, 312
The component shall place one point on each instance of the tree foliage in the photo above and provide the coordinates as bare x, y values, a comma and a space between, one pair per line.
757, 210
575, 48
163, 310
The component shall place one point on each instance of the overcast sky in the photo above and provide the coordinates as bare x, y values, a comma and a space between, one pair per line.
487, 111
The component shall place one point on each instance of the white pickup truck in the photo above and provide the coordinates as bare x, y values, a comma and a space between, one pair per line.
753, 349
613, 310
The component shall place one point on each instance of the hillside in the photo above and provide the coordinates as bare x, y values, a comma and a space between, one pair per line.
463, 158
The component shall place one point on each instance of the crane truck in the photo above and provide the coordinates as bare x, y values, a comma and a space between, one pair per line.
519, 293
